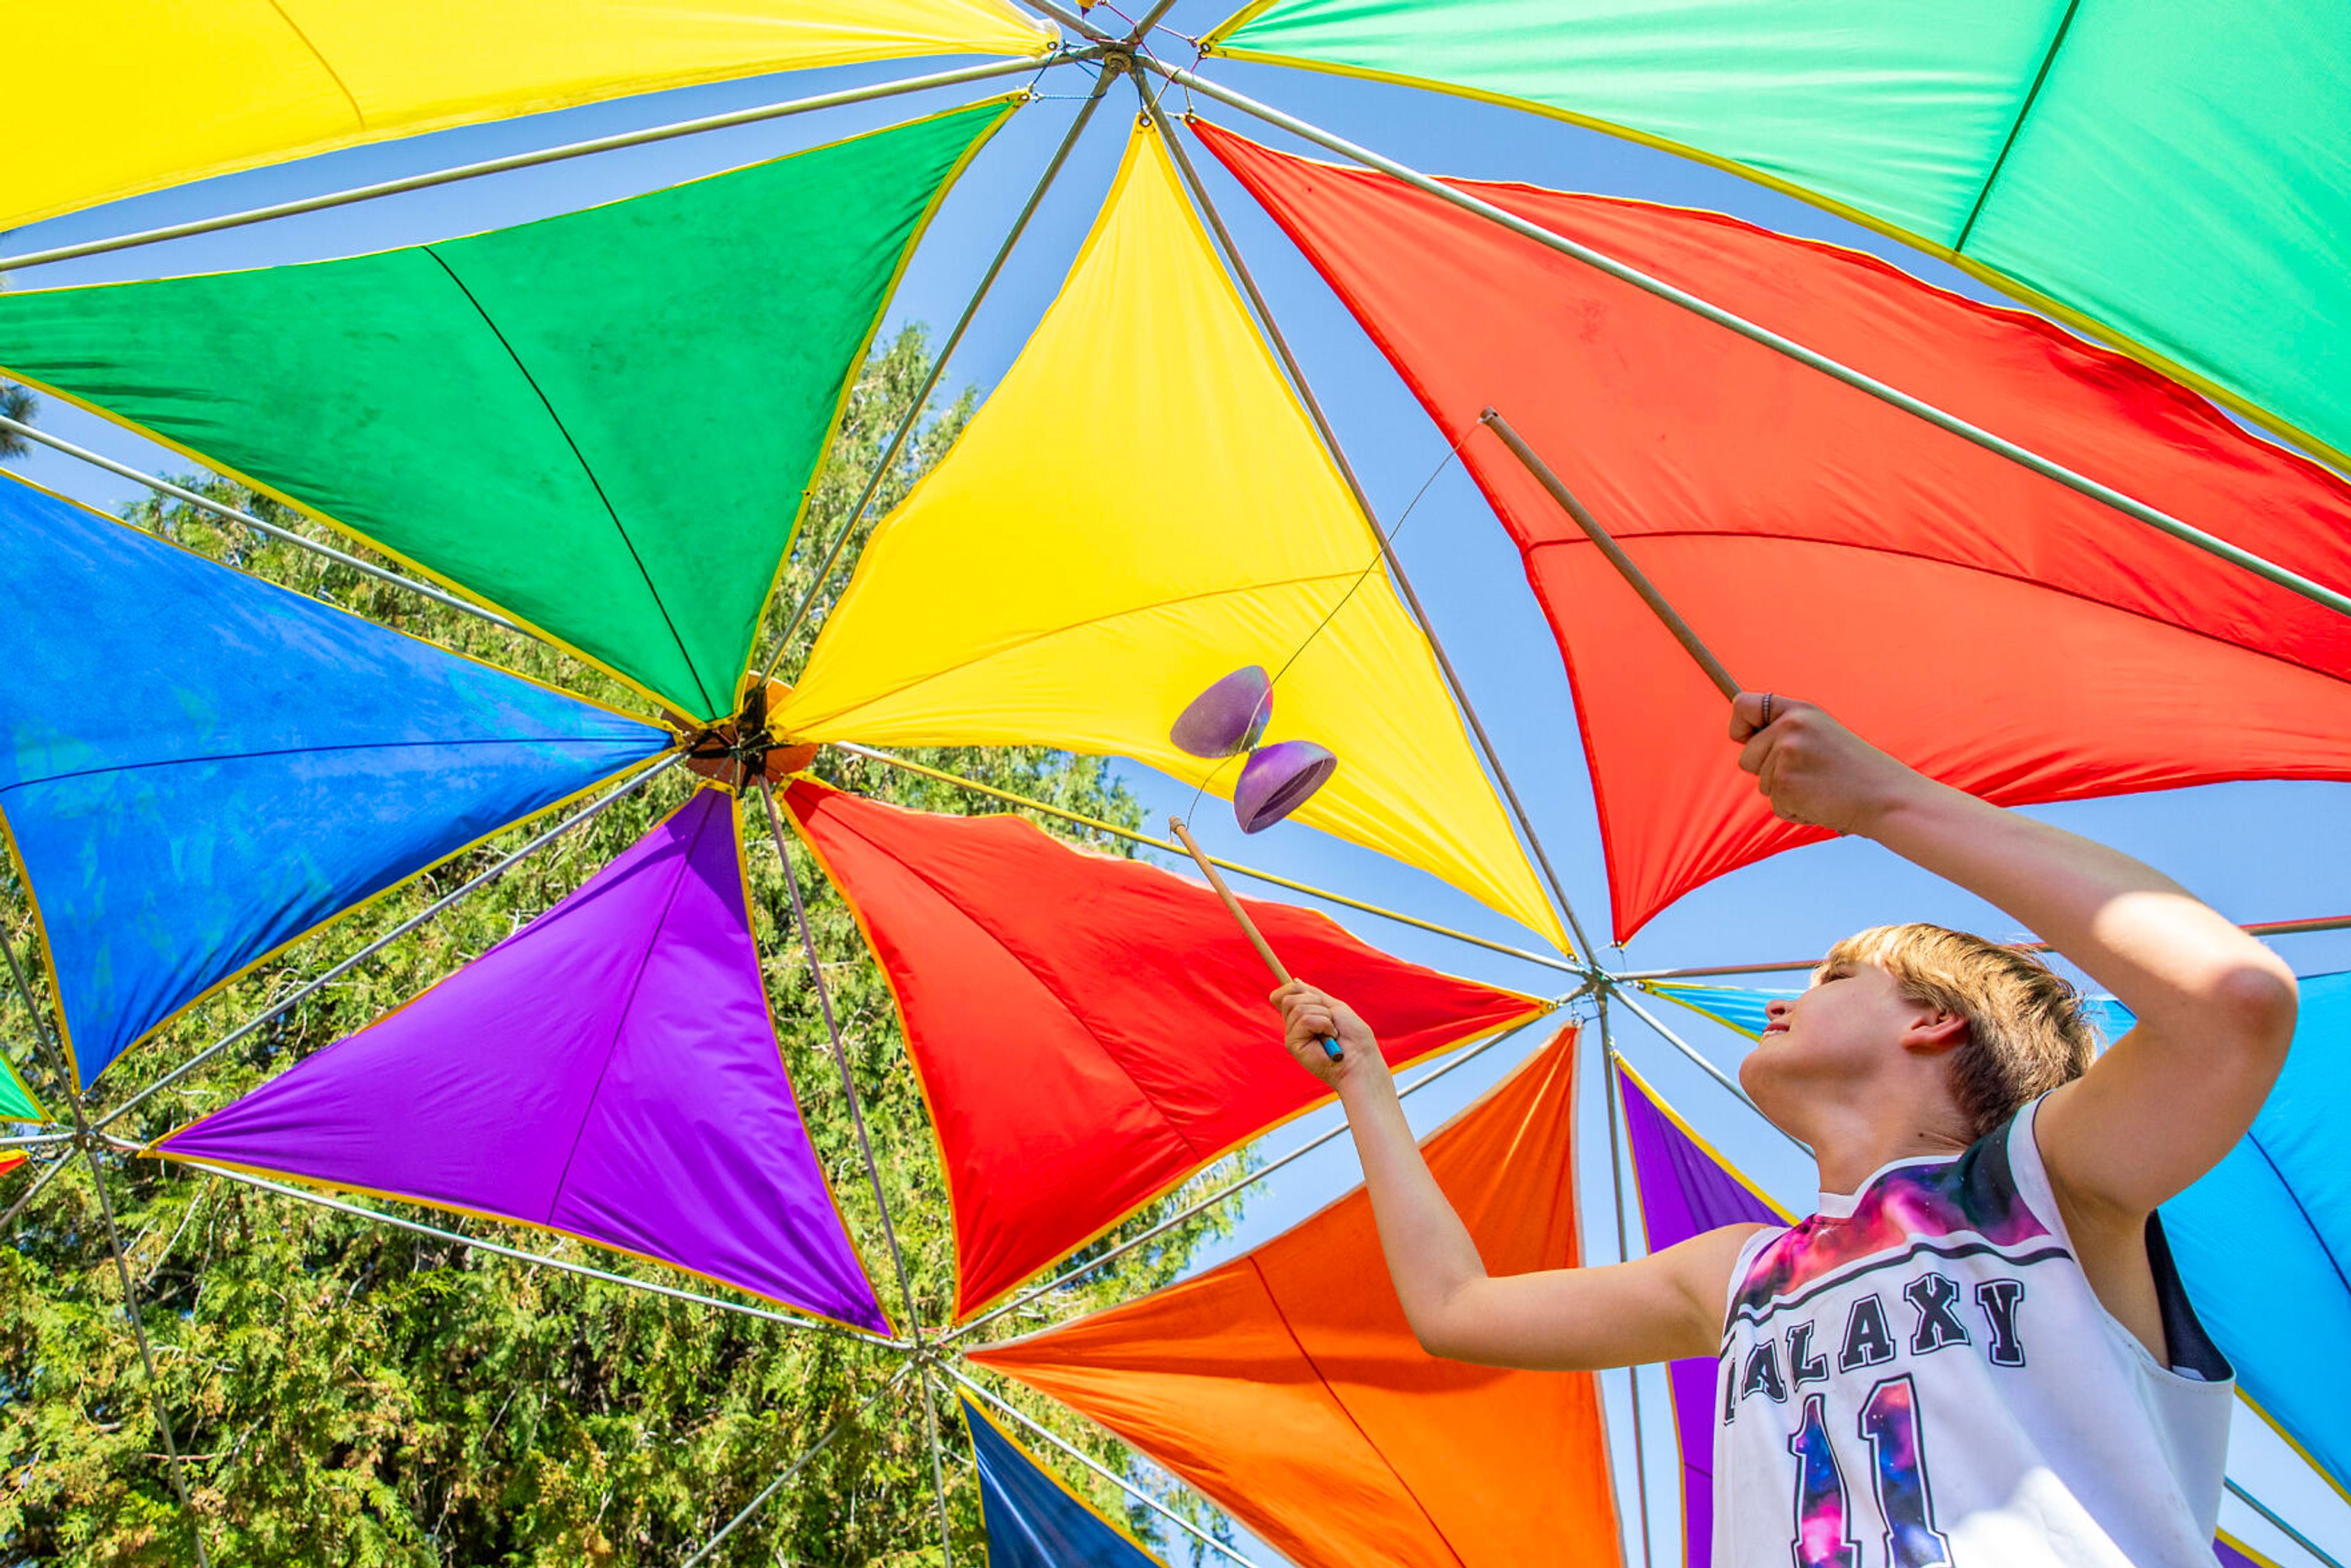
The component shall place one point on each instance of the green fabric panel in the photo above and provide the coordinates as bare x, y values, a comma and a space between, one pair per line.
16, 1101
2185, 179
604, 423
2178, 176
1892, 107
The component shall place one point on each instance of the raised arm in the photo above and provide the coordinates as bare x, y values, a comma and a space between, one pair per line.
2215, 1007
1658, 1308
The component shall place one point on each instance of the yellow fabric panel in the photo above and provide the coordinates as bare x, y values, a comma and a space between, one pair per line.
110, 98
1027, 592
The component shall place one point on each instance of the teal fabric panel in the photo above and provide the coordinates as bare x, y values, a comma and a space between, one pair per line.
2177, 177
1892, 108
2184, 178
197, 767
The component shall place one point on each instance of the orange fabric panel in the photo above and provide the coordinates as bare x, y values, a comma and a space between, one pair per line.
1090, 1031
1989, 626
1286, 1385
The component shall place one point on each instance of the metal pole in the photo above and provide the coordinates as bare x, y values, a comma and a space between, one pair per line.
1712, 1071
1708, 971
818, 1447
614, 142
1150, 20
1074, 21
1623, 1254
1633, 575
938, 367
1330, 435
519, 1254
23, 1199
1211, 1199
2290, 1533
841, 1059
938, 1468
1128, 1487
1170, 847
82, 1139
2316, 592
586, 814
287, 536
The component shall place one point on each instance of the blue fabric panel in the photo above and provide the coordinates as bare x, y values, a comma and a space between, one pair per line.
1031, 1522
2263, 1241
197, 767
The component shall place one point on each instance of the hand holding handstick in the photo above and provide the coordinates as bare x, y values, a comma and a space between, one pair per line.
1248, 927
1804, 768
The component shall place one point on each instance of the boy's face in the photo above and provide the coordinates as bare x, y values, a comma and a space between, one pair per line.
1843, 1031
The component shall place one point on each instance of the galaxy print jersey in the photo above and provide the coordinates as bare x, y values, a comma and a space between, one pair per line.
1919, 1376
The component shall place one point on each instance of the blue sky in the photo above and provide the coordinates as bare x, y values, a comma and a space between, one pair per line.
2259, 851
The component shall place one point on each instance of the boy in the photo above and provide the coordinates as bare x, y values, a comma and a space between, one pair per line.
1977, 1353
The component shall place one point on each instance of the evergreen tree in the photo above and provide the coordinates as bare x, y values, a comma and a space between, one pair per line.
17, 404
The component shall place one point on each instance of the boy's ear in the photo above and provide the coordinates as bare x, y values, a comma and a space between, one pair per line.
1934, 1032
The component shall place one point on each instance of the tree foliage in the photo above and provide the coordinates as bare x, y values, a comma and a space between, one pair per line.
350, 1393
17, 404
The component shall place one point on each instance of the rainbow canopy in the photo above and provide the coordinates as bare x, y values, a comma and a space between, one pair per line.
1803, 528
605, 424
609, 1072
1033, 1519
2263, 1241
105, 106
199, 766
2170, 177
1687, 1189
1089, 1031
1021, 597
1295, 1396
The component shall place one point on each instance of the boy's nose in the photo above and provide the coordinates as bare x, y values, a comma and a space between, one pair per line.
1777, 1008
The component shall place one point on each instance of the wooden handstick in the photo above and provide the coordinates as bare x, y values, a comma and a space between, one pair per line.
1248, 927
1599, 536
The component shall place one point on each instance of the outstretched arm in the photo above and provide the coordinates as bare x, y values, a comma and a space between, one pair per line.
2215, 1007
1658, 1308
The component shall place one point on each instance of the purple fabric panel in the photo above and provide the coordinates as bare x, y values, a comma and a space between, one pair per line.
471, 1095
610, 1070
2232, 1558
1684, 1193
693, 1150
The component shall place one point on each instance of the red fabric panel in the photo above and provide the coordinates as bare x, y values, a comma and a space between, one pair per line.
1286, 1385
1992, 627
1090, 1031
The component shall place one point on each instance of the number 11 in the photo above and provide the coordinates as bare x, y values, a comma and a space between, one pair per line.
1825, 1538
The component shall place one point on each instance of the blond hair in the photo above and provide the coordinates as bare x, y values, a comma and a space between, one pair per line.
2027, 1030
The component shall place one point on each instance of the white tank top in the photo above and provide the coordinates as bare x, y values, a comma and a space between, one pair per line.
1920, 1376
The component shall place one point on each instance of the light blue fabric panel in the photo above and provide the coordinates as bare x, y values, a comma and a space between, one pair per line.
2113, 1018
197, 767
2263, 1240
1741, 1009
1734, 1007
1031, 1522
